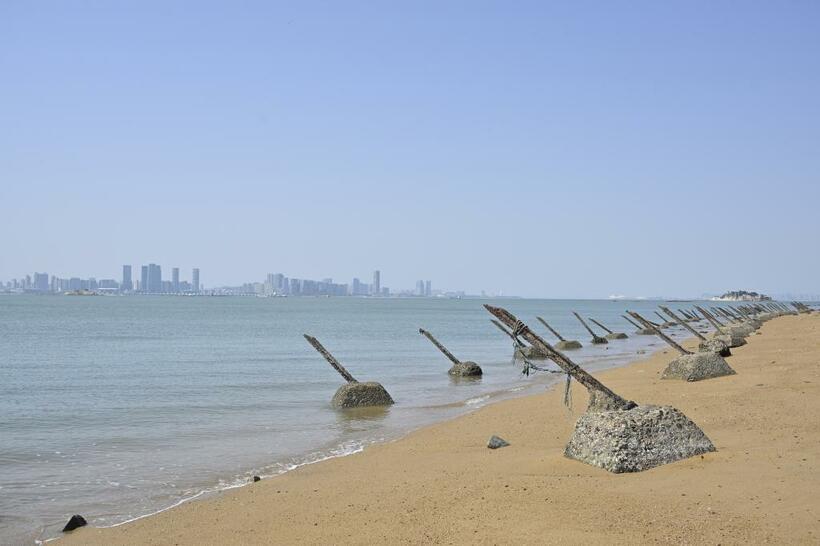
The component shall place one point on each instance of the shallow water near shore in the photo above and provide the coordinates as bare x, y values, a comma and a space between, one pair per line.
117, 407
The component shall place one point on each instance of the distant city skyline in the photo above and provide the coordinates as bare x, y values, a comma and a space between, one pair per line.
151, 281
279, 284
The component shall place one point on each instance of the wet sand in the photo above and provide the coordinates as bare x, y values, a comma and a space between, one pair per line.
441, 485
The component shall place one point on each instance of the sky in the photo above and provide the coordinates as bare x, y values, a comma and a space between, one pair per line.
541, 149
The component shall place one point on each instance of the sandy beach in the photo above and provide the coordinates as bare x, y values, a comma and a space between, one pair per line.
441, 485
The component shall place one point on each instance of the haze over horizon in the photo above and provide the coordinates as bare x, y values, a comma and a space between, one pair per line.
543, 151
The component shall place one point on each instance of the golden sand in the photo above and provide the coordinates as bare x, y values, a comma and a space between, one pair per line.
441, 485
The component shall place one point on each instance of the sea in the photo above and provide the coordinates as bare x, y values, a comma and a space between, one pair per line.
118, 407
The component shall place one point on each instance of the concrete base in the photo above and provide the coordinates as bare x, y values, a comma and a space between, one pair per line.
715, 345
598, 341
568, 344
465, 369
616, 335
358, 395
645, 332
531, 353
637, 439
698, 366
733, 340
744, 330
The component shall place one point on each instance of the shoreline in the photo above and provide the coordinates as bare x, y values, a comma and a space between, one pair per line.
482, 401
598, 362
442, 453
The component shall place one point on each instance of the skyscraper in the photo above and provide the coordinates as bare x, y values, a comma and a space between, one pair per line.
195, 279
41, 282
270, 285
144, 278
154, 279
175, 280
428, 288
419, 288
127, 285
376, 287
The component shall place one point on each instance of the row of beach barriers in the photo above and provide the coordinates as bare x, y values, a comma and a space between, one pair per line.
615, 434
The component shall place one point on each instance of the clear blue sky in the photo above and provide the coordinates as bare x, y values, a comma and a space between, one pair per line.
541, 149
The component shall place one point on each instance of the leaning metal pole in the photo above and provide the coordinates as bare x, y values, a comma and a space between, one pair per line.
596, 388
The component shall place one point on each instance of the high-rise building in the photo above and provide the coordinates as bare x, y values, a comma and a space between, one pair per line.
40, 282
109, 285
278, 283
419, 288
355, 288
126, 285
428, 288
144, 278
154, 279
175, 280
195, 279
376, 287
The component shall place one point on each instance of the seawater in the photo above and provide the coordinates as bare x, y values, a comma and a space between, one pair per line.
118, 407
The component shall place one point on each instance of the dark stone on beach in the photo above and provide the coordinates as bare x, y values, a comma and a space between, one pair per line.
636, 439
75, 522
530, 352
256, 479
568, 344
496, 442
465, 369
357, 395
617, 335
697, 366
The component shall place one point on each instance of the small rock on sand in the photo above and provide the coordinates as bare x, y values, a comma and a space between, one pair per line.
75, 522
496, 442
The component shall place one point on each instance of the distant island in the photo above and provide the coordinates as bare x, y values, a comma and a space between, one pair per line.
742, 295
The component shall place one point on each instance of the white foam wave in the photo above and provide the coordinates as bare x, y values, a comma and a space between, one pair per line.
347, 448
